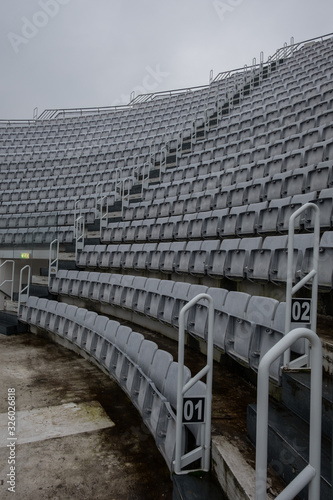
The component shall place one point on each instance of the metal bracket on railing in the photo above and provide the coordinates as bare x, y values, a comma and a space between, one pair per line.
201, 453
24, 289
53, 259
295, 314
311, 473
12, 278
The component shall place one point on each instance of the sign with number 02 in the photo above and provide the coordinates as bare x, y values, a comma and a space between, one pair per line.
301, 311
194, 410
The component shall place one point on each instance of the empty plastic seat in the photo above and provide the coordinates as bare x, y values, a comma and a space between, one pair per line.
97, 331
155, 299
118, 289
156, 229
217, 257
200, 258
184, 256
142, 295
143, 256
279, 261
319, 177
116, 353
260, 259
268, 217
139, 365
264, 338
288, 208
197, 322
170, 257
169, 305
325, 267
117, 256
26, 309
155, 256
48, 312
130, 290
127, 368
236, 263
212, 224
131, 255
196, 225
229, 221
83, 330
105, 340
234, 307
106, 350
193, 291
325, 205
247, 221
181, 228
166, 429
53, 319
145, 390
106, 256
90, 281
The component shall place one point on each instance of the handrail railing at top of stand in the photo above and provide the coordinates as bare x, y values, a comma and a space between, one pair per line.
51, 114
311, 474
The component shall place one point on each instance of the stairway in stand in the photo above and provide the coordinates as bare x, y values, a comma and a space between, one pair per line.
288, 433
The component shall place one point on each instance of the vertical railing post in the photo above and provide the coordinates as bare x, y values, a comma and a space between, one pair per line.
80, 233
24, 290
202, 452
53, 259
12, 262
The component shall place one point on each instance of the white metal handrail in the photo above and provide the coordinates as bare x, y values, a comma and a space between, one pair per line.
312, 275
12, 278
147, 167
103, 214
24, 289
311, 473
80, 233
53, 259
202, 452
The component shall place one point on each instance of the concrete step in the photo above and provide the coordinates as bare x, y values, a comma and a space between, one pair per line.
296, 396
288, 446
9, 324
196, 487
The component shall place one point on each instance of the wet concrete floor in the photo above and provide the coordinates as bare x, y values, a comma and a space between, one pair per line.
118, 462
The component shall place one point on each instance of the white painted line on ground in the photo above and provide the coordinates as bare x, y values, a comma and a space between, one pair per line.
55, 421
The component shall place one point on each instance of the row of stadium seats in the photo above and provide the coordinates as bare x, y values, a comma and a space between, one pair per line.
146, 373
257, 259
245, 327
40, 235
256, 218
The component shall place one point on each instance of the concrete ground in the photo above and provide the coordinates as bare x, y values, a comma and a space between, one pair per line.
78, 435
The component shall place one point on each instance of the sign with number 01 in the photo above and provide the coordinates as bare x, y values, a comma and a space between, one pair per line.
194, 410
301, 311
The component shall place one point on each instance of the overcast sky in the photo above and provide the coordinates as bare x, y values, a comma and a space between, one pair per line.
90, 53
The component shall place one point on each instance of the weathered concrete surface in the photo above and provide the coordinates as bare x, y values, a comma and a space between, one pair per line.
118, 462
